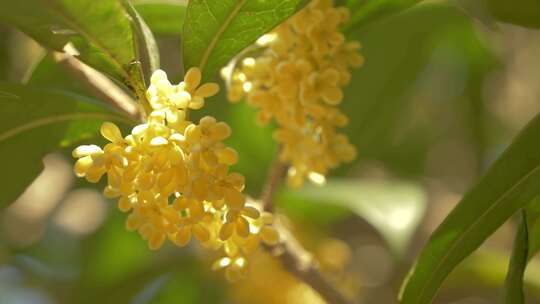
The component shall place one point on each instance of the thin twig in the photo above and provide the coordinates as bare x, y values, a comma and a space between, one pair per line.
290, 252
103, 87
275, 176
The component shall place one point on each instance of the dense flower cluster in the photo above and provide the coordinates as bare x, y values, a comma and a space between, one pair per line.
296, 78
172, 176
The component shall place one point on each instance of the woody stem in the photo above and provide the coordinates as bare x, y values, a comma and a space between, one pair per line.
294, 258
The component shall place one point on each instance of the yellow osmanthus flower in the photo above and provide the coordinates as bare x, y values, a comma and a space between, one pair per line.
172, 176
297, 79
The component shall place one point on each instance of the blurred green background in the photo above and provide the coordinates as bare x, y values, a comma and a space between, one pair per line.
439, 97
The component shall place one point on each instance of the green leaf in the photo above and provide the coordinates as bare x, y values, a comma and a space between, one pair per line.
533, 225
485, 270
163, 17
36, 122
520, 12
393, 208
113, 253
4, 53
51, 75
101, 31
430, 41
513, 292
215, 31
511, 183
365, 12
144, 38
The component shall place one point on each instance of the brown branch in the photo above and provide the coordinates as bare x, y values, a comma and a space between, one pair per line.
273, 179
103, 87
294, 258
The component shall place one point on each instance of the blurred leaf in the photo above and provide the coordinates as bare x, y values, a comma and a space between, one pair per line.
51, 75
253, 142
144, 38
36, 122
486, 269
188, 284
101, 31
118, 267
364, 12
215, 31
399, 103
393, 208
4, 53
164, 17
520, 12
113, 254
513, 292
510, 184
533, 225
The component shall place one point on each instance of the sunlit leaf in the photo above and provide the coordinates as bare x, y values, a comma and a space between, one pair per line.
215, 31
101, 31
36, 122
509, 184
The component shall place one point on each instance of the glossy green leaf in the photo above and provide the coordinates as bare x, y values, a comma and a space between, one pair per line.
162, 16
36, 122
509, 184
215, 31
513, 292
364, 12
520, 12
394, 209
101, 30
146, 42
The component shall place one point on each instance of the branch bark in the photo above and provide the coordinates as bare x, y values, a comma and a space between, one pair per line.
104, 88
294, 258
274, 178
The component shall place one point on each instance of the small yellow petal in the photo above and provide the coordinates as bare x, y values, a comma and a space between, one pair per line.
193, 78
227, 156
86, 150
111, 132
242, 227
82, 165
156, 241
226, 231
124, 204
201, 233
269, 235
183, 236
207, 90
234, 198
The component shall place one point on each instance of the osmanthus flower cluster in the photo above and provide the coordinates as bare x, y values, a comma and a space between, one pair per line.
172, 176
296, 77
